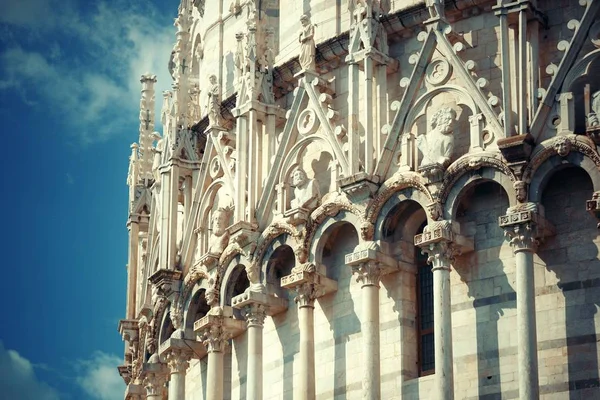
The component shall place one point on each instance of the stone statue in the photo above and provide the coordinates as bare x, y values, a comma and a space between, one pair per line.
214, 102
219, 237
307, 44
306, 191
160, 146
521, 195
593, 118
438, 144
194, 107
436, 8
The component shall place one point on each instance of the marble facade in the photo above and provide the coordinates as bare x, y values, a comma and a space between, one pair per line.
312, 150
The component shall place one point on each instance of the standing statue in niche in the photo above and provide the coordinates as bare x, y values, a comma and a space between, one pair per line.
306, 191
307, 44
219, 237
160, 146
437, 145
214, 102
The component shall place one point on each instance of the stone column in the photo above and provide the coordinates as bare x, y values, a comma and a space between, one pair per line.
523, 227
437, 241
154, 383
255, 315
215, 339
178, 362
309, 285
368, 275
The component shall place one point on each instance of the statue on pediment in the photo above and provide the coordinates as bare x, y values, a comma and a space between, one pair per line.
438, 144
306, 191
307, 44
593, 118
214, 102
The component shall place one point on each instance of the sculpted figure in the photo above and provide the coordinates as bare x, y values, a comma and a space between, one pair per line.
160, 146
521, 194
438, 144
307, 44
593, 118
219, 238
306, 191
214, 102
436, 8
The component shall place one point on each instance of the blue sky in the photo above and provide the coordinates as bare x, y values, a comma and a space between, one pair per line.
69, 92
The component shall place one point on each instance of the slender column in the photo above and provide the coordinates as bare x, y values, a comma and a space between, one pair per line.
353, 132
178, 362
154, 383
255, 315
506, 92
132, 268
368, 115
439, 258
522, 232
306, 306
438, 241
522, 72
215, 339
368, 275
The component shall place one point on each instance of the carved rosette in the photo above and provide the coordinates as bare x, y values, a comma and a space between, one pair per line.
178, 360
255, 314
367, 273
154, 382
215, 338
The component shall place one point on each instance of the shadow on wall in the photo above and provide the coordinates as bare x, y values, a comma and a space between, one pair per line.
339, 308
483, 272
572, 255
280, 264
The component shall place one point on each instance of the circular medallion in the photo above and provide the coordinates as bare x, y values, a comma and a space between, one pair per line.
215, 169
438, 72
307, 122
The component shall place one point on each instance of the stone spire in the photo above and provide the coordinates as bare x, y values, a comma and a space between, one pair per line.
182, 61
146, 128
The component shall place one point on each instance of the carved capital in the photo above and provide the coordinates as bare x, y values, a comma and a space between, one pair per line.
438, 242
154, 382
307, 294
367, 273
178, 360
215, 338
255, 314
524, 228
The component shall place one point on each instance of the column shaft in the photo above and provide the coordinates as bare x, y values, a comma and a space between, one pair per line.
254, 374
214, 376
370, 329
306, 386
526, 326
177, 386
442, 332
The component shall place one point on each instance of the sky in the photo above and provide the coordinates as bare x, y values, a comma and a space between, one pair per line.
69, 106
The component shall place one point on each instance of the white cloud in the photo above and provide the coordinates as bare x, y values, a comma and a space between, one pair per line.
18, 380
99, 377
96, 90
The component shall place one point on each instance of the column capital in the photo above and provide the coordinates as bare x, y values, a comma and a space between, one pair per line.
309, 285
440, 243
273, 305
216, 330
255, 314
154, 382
369, 262
178, 360
524, 227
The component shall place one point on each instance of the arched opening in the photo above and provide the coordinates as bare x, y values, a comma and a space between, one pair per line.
237, 283
198, 308
410, 291
338, 310
280, 264
482, 283
571, 268
167, 328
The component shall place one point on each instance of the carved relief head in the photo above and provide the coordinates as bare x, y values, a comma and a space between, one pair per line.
563, 147
443, 120
212, 79
435, 211
520, 191
299, 177
220, 221
304, 20
366, 230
